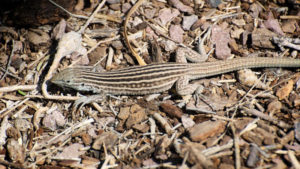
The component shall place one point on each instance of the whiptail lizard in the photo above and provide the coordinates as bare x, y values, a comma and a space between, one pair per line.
155, 78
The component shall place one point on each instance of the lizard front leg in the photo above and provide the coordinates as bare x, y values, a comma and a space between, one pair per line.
182, 84
182, 55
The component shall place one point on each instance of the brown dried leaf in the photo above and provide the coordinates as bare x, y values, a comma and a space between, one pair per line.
149, 162
38, 37
22, 124
80, 5
176, 33
279, 164
13, 133
297, 131
162, 144
107, 138
236, 33
84, 60
180, 6
273, 24
171, 109
124, 113
202, 131
248, 77
150, 13
226, 166
216, 101
274, 107
187, 122
54, 120
221, 38
188, 21
16, 151
59, 30
10, 30
137, 115
195, 153
143, 128
90, 160
261, 38
126, 7
290, 26
166, 15
285, 91
255, 9
4, 126
71, 151
86, 138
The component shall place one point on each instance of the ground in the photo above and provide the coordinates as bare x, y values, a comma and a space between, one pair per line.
243, 119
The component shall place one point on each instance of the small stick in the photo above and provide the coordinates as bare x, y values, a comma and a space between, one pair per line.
10, 74
290, 17
132, 10
163, 122
236, 143
9, 60
17, 87
94, 47
69, 13
91, 17
152, 128
293, 159
13, 108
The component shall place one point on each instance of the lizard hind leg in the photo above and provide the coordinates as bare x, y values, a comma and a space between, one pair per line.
184, 88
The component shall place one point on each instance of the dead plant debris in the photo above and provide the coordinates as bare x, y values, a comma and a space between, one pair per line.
252, 122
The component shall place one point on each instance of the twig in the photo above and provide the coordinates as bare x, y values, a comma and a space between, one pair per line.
73, 15
13, 108
267, 117
68, 130
290, 17
159, 32
221, 154
37, 115
163, 122
9, 60
18, 87
109, 18
289, 42
94, 47
10, 74
91, 17
152, 128
11, 164
227, 15
213, 150
49, 154
236, 143
293, 159
132, 10
66, 98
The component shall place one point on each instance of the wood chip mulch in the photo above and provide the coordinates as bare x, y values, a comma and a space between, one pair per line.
244, 119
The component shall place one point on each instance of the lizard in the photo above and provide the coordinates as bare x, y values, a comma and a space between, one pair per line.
156, 78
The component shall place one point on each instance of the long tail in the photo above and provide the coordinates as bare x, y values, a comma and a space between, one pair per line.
206, 69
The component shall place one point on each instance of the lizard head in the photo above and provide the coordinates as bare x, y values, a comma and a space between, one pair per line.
70, 78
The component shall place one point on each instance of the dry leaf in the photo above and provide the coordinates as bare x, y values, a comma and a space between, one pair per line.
247, 77
285, 91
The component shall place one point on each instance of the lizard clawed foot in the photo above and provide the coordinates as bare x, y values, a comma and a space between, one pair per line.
79, 103
88, 99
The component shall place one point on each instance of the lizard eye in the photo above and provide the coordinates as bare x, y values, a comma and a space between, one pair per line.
68, 81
